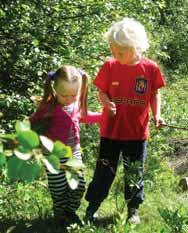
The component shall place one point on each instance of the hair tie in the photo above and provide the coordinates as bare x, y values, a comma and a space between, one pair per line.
51, 74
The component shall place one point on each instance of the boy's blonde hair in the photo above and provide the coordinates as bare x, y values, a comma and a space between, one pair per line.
128, 33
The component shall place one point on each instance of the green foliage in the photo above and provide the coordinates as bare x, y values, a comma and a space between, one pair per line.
23, 170
176, 220
24, 201
38, 36
28, 151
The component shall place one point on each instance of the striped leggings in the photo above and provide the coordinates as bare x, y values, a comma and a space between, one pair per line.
64, 198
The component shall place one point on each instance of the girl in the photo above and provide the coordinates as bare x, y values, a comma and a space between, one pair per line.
64, 104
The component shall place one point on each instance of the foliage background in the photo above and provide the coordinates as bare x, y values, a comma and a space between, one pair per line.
39, 35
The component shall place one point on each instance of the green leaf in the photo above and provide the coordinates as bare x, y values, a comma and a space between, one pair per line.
35, 42
72, 179
14, 167
47, 143
28, 139
8, 136
68, 152
21, 155
22, 126
2, 160
54, 160
22, 170
49, 166
61, 150
1, 147
75, 163
2, 13
29, 172
8, 153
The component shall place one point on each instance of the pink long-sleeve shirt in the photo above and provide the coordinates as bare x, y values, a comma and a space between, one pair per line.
60, 123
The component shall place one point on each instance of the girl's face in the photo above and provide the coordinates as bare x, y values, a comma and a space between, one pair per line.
67, 93
124, 55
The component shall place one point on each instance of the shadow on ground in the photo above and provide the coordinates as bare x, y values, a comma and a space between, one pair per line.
34, 226
105, 221
45, 225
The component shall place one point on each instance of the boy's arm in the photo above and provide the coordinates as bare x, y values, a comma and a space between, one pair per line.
155, 103
107, 103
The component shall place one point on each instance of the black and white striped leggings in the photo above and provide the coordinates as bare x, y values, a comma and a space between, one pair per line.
64, 198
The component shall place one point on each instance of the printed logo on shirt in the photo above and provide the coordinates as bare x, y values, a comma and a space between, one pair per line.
115, 83
140, 85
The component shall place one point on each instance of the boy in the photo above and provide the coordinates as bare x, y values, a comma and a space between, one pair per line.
128, 86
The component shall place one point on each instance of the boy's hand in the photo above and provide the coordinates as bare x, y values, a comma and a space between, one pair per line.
112, 108
107, 103
158, 122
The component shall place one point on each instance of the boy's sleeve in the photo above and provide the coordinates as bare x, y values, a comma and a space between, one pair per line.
158, 79
91, 117
102, 79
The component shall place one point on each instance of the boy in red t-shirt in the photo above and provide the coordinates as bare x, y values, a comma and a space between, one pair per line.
128, 87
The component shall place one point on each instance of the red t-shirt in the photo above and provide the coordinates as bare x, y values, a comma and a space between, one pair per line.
130, 87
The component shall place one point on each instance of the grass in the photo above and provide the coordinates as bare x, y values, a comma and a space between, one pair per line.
28, 208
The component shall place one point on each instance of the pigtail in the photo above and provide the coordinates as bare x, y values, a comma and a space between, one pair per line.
48, 96
84, 94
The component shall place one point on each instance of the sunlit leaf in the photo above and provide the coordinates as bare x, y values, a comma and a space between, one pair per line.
72, 179
21, 155
54, 160
68, 152
47, 143
49, 166
8, 136
28, 139
61, 150
75, 163
8, 153
22, 126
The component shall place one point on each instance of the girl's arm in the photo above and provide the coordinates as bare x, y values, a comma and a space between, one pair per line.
37, 116
155, 103
91, 117
40, 121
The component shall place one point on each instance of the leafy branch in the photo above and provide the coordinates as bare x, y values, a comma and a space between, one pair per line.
23, 155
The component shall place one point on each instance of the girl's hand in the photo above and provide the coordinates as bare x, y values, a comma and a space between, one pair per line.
158, 122
111, 108
36, 99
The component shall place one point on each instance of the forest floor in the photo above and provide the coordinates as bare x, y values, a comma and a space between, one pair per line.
179, 159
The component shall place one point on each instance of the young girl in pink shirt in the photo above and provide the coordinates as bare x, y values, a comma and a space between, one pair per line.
63, 107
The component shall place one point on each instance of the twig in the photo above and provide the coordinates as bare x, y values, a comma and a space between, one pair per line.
175, 127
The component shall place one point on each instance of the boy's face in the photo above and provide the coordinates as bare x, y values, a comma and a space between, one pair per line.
124, 55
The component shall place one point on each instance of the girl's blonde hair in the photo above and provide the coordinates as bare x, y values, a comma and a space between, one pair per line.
69, 74
128, 33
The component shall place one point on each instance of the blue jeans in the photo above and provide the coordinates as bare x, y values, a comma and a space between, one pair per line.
134, 155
